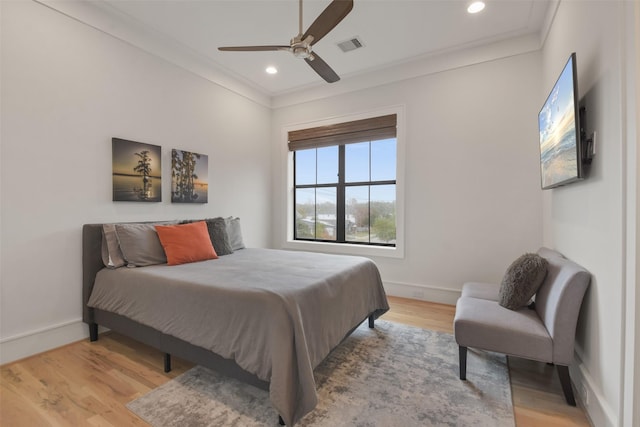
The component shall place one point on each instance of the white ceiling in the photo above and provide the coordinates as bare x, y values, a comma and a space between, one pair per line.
393, 32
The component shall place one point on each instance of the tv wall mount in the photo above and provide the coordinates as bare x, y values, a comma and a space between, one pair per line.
587, 143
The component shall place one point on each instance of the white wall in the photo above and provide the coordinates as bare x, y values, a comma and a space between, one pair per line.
586, 221
67, 89
472, 181
631, 373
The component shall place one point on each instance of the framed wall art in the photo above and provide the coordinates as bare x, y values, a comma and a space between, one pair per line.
189, 177
137, 171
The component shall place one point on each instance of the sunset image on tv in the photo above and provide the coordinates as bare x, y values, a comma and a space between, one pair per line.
558, 132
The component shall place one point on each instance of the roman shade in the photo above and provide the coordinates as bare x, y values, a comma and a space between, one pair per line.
371, 129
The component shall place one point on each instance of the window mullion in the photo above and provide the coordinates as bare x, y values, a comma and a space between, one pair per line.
369, 200
315, 204
295, 200
340, 196
369, 187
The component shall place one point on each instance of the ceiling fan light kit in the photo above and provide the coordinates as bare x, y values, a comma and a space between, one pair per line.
302, 45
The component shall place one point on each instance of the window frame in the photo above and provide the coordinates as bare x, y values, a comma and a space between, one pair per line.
341, 187
350, 248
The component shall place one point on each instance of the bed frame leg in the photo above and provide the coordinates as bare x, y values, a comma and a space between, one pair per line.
371, 319
93, 332
167, 362
281, 421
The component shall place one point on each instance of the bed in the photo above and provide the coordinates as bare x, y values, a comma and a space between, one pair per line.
266, 317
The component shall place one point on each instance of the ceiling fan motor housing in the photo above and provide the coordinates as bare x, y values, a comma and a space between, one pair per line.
301, 48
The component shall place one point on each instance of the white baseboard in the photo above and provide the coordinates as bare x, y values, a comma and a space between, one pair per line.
591, 397
422, 292
34, 342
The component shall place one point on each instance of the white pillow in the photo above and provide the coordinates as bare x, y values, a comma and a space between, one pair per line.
111, 254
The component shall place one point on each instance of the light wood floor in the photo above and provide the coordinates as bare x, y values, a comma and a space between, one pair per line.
89, 383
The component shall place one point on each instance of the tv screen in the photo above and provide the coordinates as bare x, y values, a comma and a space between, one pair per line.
559, 128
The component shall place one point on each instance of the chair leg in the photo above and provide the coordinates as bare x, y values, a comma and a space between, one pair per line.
462, 351
565, 381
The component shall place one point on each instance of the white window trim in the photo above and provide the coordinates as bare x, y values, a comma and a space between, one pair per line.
345, 248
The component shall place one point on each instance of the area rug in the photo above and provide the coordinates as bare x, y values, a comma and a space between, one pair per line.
393, 375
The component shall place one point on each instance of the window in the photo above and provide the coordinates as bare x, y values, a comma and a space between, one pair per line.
345, 182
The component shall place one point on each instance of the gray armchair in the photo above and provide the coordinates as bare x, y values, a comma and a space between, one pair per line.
545, 333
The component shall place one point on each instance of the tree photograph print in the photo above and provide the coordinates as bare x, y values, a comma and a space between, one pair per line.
137, 172
189, 177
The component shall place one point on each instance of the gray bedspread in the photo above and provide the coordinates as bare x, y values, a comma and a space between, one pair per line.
277, 313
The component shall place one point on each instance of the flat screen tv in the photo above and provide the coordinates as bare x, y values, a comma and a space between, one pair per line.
559, 128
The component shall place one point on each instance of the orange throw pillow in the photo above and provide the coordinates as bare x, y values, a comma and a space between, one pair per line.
186, 242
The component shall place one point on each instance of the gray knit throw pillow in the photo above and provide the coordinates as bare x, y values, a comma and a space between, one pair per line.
522, 280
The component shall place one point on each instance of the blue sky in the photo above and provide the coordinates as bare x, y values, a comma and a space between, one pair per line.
383, 167
559, 102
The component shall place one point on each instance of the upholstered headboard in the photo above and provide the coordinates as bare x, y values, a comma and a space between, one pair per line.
92, 263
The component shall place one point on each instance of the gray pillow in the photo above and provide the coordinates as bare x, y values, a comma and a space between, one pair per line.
219, 236
111, 254
140, 244
235, 233
218, 233
522, 280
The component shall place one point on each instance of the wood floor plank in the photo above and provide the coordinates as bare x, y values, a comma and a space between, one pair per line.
89, 384
434, 316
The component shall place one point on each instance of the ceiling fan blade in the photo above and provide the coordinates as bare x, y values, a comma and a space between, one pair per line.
322, 68
328, 19
253, 48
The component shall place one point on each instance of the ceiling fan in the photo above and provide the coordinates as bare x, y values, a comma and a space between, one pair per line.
301, 45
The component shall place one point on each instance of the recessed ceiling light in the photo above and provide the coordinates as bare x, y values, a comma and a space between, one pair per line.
475, 7
271, 70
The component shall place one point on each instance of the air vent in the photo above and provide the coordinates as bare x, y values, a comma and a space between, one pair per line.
351, 44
